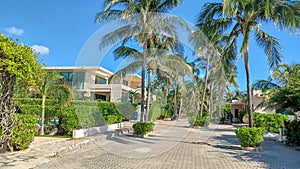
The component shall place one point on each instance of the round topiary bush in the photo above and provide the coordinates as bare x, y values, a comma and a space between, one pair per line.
143, 128
250, 137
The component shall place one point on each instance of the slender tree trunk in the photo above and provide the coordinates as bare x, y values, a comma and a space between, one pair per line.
175, 102
43, 115
249, 91
180, 108
211, 97
205, 86
145, 46
7, 108
149, 93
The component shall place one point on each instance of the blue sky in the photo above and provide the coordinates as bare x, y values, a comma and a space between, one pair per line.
59, 29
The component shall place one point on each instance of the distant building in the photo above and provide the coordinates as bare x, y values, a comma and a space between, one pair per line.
93, 81
238, 106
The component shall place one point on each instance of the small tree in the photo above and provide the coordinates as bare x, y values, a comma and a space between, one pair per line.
53, 84
17, 63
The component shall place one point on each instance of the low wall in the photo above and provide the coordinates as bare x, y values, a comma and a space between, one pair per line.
96, 130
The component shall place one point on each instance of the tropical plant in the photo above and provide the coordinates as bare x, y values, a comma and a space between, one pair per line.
243, 18
17, 64
143, 19
52, 84
217, 58
250, 137
143, 128
281, 89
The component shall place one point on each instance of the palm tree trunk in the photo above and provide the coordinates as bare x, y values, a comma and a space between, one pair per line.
43, 115
175, 101
145, 46
211, 101
249, 92
205, 86
149, 93
180, 108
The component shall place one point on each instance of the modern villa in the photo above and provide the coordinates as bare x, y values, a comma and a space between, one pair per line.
237, 106
93, 81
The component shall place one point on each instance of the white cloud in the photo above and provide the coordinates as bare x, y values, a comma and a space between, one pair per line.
39, 49
15, 31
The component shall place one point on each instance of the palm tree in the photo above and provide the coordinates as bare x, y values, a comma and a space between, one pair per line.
243, 18
142, 19
217, 58
160, 61
51, 84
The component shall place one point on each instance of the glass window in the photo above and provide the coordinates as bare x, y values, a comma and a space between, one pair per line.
74, 78
100, 80
100, 97
125, 82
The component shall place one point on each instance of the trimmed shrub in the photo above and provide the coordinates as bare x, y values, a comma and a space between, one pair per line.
23, 131
198, 121
143, 127
293, 132
250, 137
274, 120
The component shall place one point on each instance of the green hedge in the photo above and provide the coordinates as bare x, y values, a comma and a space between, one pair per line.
23, 131
274, 120
79, 113
250, 137
293, 132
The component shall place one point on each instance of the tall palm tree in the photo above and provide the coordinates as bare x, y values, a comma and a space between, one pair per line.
243, 18
50, 85
142, 19
216, 57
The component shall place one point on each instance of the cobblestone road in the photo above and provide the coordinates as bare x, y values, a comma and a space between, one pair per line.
199, 148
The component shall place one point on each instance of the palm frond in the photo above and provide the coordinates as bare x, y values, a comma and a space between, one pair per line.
271, 47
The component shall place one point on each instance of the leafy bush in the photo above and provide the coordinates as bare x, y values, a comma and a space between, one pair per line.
23, 131
155, 111
250, 137
199, 121
293, 132
274, 120
143, 128
78, 113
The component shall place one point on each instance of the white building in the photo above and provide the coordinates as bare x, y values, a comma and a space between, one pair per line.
93, 81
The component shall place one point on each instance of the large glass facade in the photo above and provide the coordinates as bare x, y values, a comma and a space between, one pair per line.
74, 78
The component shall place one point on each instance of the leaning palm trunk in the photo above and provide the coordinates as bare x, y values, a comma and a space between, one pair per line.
7, 108
149, 93
43, 115
205, 86
249, 92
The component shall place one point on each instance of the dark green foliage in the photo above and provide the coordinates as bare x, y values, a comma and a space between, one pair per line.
293, 132
23, 131
250, 137
242, 114
199, 121
287, 97
78, 113
274, 120
155, 111
143, 128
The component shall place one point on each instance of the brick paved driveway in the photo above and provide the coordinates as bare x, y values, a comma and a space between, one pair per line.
199, 148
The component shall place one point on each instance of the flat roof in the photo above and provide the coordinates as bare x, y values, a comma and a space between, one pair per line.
78, 68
